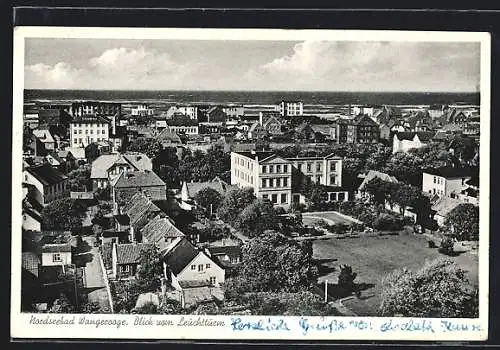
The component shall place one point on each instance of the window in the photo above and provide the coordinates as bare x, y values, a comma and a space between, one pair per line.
285, 182
25, 217
264, 169
193, 267
333, 180
278, 168
318, 179
207, 266
200, 268
80, 131
435, 180
265, 197
56, 257
285, 168
333, 166
341, 196
233, 259
274, 198
271, 168
308, 167
299, 166
318, 166
263, 183
283, 198
91, 132
125, 268
213, 280
74, 132
98, 131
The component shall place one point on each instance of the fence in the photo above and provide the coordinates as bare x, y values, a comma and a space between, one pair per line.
106, 282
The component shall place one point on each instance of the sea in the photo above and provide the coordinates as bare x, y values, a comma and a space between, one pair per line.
255, 97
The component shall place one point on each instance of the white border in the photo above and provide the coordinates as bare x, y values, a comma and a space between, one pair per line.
20, 327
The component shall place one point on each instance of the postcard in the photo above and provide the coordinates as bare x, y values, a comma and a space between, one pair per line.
224, 184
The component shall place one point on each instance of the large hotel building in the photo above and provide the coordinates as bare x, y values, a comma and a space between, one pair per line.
277, 179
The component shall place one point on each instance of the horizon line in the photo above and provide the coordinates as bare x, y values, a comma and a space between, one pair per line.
252, 90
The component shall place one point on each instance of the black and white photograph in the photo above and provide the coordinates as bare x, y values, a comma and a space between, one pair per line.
251, 173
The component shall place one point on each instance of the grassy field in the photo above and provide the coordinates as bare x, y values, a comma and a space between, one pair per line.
374, 257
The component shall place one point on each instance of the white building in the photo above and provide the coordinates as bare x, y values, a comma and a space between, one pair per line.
271, 177
86, 130
404, 141
366, 110
45, 183
187, 110
234, 111
56, 254
184, 129
290, 108
445, 182
142, 110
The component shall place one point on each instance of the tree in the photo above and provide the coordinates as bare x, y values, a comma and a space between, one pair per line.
150, 270
446, 246
234, 202
378, 189
272, 263
149, 146
63, 214
439, 289
346, 278
209, 199
79, 179
404, 195
92, 152
256, 218
463, 222
148, 308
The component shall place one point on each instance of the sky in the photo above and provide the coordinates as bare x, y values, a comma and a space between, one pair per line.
127, 64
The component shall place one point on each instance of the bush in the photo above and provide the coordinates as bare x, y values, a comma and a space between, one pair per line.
446, 246
431, 244
387, 222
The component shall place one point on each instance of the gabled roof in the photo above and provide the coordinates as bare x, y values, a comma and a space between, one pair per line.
230, 250
130, 253
136, 179
444, 205
422, 135
168, 135
103, 163
77, 152
216, 184
56, 157
46, 174
158, 229
181, 256
138, 206
372, 174
57, 248
43, 135
269, 119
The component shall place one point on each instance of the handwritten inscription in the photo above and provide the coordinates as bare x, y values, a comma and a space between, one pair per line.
417, 325
450, 326
268, 324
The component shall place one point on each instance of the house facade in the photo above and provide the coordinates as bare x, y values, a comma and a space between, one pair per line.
126, 259
88, 129
272, 178
47, 184
79, 109
360, 129
142, 110
404, 141
234, 111
46, 138
445, 182
56, 254
290, 108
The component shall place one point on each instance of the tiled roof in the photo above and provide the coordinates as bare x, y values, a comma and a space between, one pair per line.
216, 184
159, 228
138, 207
130, 253
136, 179
100, 166
445, 205
46, 174
168, 135
56, 248
30, 262
377, 174
181, 256
43, 135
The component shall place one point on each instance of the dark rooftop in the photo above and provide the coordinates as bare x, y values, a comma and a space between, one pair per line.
130, 253
451, 172
179, 257
46, 174
254, 155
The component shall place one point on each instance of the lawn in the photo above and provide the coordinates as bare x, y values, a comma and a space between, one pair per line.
374, 257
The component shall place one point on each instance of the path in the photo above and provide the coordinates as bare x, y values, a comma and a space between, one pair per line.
94, 277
